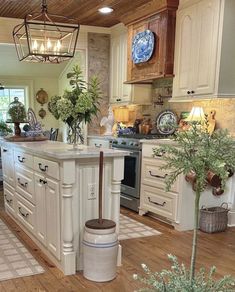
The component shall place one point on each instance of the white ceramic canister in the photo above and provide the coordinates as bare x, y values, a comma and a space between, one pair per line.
100, 247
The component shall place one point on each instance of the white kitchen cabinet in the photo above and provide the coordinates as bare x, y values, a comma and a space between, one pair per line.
57, 193
8, 166
121, 93
202, 49
177, 205
47, 213
99, 142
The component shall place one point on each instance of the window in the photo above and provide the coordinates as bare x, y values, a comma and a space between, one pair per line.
7, 96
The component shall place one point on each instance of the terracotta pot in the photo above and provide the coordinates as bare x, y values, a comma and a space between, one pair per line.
217, 191
213, 179
191, 177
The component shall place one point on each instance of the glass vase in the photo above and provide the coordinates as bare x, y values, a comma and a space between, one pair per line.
75, 135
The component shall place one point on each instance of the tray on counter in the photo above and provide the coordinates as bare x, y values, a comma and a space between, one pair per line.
25, 139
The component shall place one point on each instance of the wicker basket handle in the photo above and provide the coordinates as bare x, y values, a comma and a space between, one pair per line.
203, 207
226, 204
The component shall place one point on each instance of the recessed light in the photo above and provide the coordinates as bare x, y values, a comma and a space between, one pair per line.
105, 10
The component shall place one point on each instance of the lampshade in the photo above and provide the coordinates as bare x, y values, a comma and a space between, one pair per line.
45, 37
121, 114
196, 115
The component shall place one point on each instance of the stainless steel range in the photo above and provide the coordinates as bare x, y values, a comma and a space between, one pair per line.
130, 186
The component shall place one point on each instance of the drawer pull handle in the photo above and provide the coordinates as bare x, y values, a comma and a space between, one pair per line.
150, 201
42, 181
23, 185
21, 160
22, 214
8, 201
160, 154
98, 146
158, 176
4, 150
41, 168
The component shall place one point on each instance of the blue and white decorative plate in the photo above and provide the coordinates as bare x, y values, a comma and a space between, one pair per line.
142, 46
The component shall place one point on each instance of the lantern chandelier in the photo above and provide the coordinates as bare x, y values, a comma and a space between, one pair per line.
46, 38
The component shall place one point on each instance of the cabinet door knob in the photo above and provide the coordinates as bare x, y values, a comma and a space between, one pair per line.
9, 201
98, 146
192, 91
42, 181
41, 168
4, 150
188, 92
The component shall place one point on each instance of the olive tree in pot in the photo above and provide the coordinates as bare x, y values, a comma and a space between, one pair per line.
194, 152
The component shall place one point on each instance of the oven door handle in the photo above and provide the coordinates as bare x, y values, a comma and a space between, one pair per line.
158, 176
126, 198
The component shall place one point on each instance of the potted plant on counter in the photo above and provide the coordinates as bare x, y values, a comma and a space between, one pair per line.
78, 105
199, 154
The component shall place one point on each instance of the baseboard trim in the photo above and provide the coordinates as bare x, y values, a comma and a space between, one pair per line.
231, 218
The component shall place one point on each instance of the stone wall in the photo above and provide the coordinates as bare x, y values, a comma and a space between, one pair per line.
98, 64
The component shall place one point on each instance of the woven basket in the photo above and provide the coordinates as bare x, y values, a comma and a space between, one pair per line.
214, 219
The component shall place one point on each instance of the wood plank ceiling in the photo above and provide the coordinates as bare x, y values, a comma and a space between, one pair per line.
86, 11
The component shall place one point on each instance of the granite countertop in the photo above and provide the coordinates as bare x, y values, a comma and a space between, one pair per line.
60, 150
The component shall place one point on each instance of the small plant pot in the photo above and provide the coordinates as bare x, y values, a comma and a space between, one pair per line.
213, 179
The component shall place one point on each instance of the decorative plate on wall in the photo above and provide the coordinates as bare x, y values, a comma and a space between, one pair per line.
166, 122
142, 46
42, 96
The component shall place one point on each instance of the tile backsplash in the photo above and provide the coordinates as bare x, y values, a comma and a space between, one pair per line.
224, 107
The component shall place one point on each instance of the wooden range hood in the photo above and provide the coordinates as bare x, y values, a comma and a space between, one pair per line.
159, 16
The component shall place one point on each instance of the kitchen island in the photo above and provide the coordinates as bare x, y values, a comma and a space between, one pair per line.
51, 190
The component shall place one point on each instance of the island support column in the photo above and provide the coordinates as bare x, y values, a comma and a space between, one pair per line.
68, 253
117, 177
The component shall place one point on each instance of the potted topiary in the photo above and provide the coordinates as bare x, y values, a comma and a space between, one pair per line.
195, 154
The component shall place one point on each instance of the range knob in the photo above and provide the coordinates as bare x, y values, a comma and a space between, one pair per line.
123, 142
115, 142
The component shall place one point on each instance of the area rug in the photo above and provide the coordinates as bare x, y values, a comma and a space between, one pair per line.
15, 259
130, 228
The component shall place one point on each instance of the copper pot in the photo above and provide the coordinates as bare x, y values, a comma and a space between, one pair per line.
217, 191
191, 177
213, 179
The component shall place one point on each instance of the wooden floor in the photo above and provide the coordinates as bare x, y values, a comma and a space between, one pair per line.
217, 249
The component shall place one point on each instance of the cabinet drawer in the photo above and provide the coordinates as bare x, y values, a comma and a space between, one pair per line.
25, 213
152, 175
98, 143
9, 198
159, 202
23, 158
147, 151
48, 167
25, 183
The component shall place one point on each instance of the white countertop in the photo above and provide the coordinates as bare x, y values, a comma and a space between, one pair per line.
103, 137
60, 150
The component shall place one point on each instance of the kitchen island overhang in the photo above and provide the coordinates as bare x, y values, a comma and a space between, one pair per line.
51, 191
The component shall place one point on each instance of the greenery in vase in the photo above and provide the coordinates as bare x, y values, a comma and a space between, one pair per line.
4, 128
78, 105
195, 151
